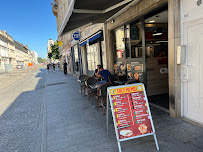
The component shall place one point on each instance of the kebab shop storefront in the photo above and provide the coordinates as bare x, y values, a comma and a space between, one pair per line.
140, 51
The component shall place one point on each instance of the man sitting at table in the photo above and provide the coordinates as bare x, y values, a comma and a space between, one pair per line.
103, 74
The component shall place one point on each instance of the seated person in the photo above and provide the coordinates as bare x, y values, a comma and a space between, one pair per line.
96, 70
103, 74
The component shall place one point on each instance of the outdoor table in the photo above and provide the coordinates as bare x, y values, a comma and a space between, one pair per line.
95, 86
121, 82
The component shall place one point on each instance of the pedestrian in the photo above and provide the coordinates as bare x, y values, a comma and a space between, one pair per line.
58, 65
48, 67
103, 74
65, 67
54, 67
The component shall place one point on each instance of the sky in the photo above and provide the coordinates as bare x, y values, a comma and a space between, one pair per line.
30, 22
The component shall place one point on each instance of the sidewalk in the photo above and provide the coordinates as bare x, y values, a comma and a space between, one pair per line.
73, 125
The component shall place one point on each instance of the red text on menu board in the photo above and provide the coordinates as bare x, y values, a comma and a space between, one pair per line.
131, 111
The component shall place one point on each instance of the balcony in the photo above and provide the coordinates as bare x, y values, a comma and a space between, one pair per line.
54, 7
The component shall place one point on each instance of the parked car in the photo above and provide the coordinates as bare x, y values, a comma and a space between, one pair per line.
19, 66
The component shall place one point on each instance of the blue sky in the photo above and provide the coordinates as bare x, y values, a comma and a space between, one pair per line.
30, 22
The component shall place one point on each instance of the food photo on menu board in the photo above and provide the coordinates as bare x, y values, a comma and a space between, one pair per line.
128, 67
130, 75
122, 67
138, 68
132, 116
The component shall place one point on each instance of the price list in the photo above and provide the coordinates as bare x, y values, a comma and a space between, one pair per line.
131, 111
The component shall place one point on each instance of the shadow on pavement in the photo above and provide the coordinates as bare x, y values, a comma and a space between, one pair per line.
21, 123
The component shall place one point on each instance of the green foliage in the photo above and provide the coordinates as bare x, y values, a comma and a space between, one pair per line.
49, 55
40, 60
55, 51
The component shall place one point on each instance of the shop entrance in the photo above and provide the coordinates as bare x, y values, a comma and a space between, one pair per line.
141, 52
156, 42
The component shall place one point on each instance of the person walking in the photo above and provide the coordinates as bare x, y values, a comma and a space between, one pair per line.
65, 67
58, 66
54, 67
48, 67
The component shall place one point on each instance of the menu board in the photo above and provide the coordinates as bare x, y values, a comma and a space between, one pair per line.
135, 71
119, 68
131, 111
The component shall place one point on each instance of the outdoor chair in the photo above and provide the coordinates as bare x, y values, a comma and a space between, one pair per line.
90, 92
102, 94
113, 78
82, 84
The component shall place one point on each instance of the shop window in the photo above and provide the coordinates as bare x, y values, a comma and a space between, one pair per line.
89, 61
76, 56
104, 55
76, 53
127, 40
136, 40
156, 36
119, 42
93, 57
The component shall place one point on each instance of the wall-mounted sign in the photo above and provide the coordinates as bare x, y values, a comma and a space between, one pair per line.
60, 43
76, 36
131, 112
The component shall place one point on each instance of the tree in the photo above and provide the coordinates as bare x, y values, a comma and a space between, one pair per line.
55, 51
40, 60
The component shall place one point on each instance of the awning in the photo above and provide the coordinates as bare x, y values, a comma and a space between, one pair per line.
92, 38
87, 12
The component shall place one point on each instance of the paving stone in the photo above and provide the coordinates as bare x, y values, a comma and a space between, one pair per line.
21, 123
72, 125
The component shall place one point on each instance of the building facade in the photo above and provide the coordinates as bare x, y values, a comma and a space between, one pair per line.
35, 57
4, 58
21, 53
49, 44
13, 54
158, 41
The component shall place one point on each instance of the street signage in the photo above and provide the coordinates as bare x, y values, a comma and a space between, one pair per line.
131, 112
60, 43
76, 36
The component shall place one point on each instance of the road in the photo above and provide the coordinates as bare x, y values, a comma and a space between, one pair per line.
22, 97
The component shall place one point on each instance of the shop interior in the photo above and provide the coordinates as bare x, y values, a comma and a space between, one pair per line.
156, 41
141, 49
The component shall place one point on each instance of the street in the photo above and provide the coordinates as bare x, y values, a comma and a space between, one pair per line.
44, 112
21, 102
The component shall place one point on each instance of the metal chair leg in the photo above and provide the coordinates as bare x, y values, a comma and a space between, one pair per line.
88, 93
91, 98
97, 102
103, 105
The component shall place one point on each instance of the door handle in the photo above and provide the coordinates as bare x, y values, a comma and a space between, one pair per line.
185, 73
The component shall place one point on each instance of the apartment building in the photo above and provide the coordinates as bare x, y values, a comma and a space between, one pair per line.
4, 59
163, 37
